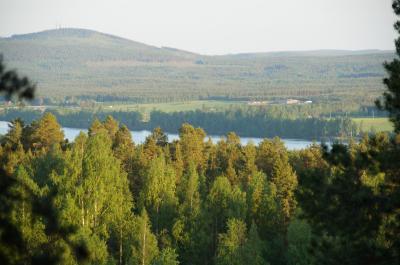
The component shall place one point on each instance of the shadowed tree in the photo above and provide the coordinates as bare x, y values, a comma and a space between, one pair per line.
352, 203
391, 101
13, 246
11, 84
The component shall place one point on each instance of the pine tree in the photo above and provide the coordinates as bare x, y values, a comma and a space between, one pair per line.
96, 127
249, 167
13, 152
111, 125
46, 132
192, 143
177, 160
160, 138
273, 160
124, 148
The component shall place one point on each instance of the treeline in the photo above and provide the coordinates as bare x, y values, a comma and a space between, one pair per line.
195, 202
255, 124
245, 122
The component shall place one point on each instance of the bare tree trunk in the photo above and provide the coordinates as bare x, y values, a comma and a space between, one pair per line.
95, 213
120, 246
144, 244
83, 213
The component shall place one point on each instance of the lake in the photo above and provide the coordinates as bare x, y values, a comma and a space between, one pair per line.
140, 136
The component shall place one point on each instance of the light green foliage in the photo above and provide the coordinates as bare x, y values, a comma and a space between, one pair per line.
167, 257
103, 183
262, 203
144, 242
224, 202
273, 160
32, 229
196, 199
374, 124
192, 142
236, 247
159, 193
190, 197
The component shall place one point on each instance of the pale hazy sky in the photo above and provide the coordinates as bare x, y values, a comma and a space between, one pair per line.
215, 26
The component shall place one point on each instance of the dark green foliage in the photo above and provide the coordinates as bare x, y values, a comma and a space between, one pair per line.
13, 85
352, 204
392, 96
245, 122
350, 194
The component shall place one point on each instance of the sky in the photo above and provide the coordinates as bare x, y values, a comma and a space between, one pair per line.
215, 26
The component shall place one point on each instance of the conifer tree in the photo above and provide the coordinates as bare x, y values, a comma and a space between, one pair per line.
299, 238
177, 160
13, 152
391, 101
111, 125
273, 160
96, 127
46, 132
192, 142
160, 138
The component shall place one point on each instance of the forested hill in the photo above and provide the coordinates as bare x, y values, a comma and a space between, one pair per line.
89, 64
80, 45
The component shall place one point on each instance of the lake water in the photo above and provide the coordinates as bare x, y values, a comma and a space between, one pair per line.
140, 137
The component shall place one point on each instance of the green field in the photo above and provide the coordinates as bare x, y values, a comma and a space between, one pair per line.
146, 109
175, 106
374, 124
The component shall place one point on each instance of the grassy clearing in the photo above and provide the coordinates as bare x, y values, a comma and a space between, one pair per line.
374, 124
175, 106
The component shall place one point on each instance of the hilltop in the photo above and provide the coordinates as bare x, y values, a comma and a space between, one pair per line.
90, 64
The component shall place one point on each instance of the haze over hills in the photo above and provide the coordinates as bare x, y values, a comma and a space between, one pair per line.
79, 62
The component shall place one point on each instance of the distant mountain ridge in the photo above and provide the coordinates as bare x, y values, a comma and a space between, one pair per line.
86, 63
85, 33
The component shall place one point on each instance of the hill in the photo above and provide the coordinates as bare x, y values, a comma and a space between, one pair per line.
88, 64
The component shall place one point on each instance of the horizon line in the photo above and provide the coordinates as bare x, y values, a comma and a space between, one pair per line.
203, 54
